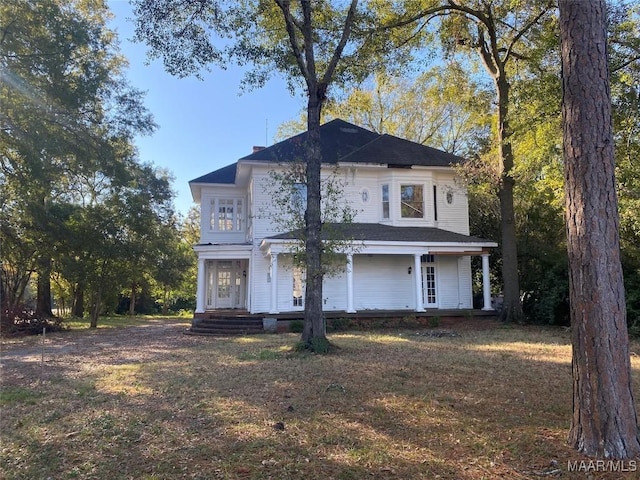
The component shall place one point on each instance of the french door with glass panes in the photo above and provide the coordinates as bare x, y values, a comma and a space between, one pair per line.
429, 284
226, 284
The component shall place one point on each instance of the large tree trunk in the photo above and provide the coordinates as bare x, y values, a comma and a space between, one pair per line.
512, 306
43, 300
78, 301
132, 300
314, 330
95, 308
165, 301
604, 420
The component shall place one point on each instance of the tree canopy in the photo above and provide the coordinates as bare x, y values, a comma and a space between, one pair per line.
76, 200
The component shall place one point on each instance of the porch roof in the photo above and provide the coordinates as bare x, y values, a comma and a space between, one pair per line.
386, 233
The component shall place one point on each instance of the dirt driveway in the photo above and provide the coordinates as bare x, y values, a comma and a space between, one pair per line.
27, 359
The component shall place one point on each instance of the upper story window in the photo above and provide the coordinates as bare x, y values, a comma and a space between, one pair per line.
411, 201
299, 197
385, 201
435, 203
227, 214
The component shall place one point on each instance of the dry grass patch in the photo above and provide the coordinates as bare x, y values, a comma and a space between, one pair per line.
151, 403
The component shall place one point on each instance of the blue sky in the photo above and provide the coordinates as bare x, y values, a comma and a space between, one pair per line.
203, 125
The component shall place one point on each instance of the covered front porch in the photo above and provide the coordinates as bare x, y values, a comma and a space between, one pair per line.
417, 282
223, 277
387, 268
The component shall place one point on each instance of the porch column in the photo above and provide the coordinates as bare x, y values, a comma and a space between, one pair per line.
274, 283
417, 268
486, 283
201, 286
350, 308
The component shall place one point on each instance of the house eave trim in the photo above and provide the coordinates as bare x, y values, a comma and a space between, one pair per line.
276, 245
223, 252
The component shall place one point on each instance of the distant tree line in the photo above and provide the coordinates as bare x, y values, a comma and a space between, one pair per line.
83, 221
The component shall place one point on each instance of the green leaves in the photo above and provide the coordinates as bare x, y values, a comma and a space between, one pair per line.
73, 191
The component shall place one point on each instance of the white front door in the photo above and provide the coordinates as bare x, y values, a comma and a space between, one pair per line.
429, 284
226, 284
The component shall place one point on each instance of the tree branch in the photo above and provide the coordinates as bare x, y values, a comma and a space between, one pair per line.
307, 34
337, 54
489, 61
524, 30
291, 25
625, 64
5, 30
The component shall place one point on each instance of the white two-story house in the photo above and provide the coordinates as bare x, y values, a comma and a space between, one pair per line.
412, 230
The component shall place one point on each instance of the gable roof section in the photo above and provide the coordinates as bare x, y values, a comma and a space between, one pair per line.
397, 151
337, 139
344, 142
223, 175
386, 233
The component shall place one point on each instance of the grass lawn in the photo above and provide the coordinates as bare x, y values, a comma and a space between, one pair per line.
147, 402
118, 321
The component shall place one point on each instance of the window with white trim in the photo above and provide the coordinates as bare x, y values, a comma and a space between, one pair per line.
385, 202
435, 203
429, 288
298, 287
227, 215
299, 197
411, 201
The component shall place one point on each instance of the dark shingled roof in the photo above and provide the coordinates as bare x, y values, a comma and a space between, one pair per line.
337, 139
223, 175
343, 142
385, 233
397, 151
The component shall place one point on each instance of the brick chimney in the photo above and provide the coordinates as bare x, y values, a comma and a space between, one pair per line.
257, 149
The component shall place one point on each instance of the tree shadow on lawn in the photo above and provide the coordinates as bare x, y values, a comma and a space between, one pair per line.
386, 405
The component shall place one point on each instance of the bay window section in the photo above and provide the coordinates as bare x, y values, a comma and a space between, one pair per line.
411, 201
385, 202
227, 215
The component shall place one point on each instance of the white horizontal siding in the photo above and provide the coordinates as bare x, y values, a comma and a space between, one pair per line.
260, 287
454, 281
262, 223
357, 181
382, 282
464, 272
334, 293
452, 217
259, 224
222, 237
448, 280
